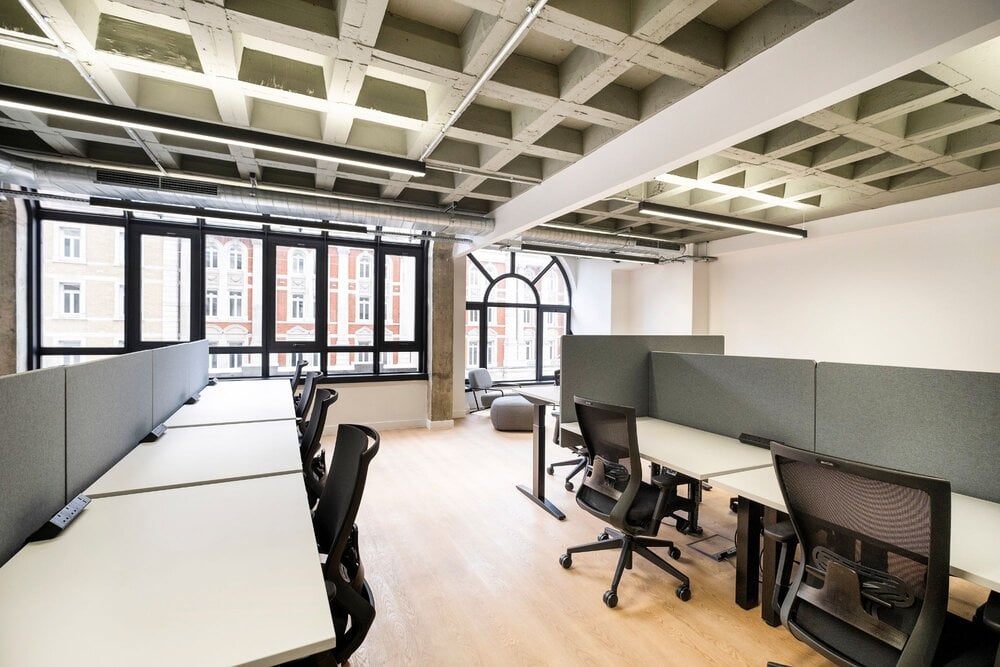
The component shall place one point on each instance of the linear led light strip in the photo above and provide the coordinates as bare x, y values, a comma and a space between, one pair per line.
732, 190
667, 245
588, 254
136, 119
684, 215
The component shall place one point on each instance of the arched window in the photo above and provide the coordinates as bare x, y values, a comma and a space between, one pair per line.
297, 262
212, 256
236, 257
365, 267
517, 310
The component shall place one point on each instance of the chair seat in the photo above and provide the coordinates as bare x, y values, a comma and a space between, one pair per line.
639, 515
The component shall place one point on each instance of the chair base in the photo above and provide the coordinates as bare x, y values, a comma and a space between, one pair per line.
578, 463
630, 544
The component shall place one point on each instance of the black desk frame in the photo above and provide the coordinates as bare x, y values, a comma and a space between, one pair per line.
537, 491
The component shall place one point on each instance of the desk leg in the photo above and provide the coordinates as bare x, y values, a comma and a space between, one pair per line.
748, 527
537, 491
770, 567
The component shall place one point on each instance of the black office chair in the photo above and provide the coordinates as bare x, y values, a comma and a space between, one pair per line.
311, 443
575, 444
873, 585
613, 490
302, 363
351, 602
309, 387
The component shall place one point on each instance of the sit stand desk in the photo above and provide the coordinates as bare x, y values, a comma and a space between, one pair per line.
216, 574
693, 452
204, 455
540, 397
235, 402
975, 537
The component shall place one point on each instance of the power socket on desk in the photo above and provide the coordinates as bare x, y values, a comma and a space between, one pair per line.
61, 520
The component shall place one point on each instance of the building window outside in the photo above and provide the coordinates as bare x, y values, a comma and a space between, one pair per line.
212, 303
235, 258
364, 309
120, 301
120, 247
473, 357
529, 350
473, 316
365, 267
212, 257
298, 309
297, 263
70, 359
70, 243
235, 303
491, 352
70, 298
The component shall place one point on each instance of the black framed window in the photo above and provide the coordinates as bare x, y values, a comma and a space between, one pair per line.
108, 281
517, 309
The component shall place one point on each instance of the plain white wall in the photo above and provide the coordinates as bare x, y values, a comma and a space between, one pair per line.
383, 405
924, 294
592, 294
656, 299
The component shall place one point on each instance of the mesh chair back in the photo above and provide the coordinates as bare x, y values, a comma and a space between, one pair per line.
480, 378
338, 506
309, 387
615, 471
312, 441
874, 583
302, 363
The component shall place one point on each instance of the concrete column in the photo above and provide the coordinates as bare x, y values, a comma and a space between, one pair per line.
8, 291
442, 336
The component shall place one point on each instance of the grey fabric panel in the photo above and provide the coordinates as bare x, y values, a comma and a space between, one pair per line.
774, 398
108, 410
171, 380
32, 454
615, 369
198, 366
934, 422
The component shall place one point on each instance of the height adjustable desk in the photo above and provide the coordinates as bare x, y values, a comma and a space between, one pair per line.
975, 537
217, 574
235, 402
693, 452
540, 397
204, 455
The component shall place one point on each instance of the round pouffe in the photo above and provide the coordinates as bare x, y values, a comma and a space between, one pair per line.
511, 413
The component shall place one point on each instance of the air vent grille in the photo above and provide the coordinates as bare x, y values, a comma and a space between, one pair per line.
134, 180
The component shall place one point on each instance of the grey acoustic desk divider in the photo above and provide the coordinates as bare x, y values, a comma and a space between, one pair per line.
197, 365
108, 410
172, 383
615, 369
730, 395
32, 454
935, 422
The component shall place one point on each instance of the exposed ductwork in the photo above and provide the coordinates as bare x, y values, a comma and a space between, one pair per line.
104, 182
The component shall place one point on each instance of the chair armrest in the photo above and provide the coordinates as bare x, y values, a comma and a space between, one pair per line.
781, 532
667, 481
991, 612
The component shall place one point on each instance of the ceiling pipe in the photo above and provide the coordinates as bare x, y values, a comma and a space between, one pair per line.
491, 69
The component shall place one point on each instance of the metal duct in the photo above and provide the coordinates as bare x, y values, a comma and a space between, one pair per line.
85, 181
115, 184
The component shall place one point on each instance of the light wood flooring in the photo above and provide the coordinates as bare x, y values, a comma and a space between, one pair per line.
465, 569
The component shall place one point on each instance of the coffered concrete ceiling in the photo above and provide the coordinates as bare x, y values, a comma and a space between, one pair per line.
387, 75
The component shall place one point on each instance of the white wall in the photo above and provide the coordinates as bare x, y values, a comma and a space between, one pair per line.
592, 295
655, 299
382, 405
923, 294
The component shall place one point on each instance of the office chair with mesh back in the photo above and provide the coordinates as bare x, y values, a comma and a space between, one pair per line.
311, 443
572, 442
873, 585
309, 387
351, 602
480, 380
302, 363
613, 490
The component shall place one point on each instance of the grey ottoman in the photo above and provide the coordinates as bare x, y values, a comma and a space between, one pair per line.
511, 413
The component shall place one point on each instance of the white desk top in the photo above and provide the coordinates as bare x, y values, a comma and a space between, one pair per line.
693, 452
975, 524
543, 393
203, 455
218, 574
237, 401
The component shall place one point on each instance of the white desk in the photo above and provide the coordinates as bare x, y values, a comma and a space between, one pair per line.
691, 451
204, 455
237, 401
218, 574
975, 534
540, 396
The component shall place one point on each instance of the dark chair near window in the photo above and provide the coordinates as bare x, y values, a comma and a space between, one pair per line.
575, 444
481, 386
613, 490
311, 444
309, 387
351, 601
297, 376
872, 588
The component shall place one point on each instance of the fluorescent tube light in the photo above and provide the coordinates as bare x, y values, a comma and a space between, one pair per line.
137, 119
667, 245
684, 215
588, 254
